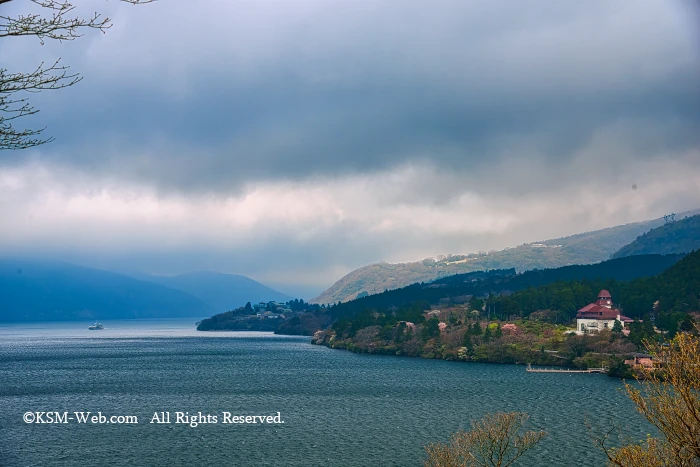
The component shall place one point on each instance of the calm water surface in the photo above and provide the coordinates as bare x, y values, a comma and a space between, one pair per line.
339, 408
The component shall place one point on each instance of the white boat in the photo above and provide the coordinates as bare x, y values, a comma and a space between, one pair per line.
96, 326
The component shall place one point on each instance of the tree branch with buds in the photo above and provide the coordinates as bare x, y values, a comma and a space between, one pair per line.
54, 21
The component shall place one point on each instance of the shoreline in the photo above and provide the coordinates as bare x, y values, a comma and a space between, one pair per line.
327, 339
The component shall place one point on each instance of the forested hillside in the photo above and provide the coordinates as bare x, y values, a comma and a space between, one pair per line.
459, 288
672, 293
584, 248
531, 325
681, 236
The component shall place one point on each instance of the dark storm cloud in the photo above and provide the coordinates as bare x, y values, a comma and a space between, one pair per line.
464, 86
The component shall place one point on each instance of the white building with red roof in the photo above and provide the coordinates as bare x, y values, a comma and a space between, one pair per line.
600, 315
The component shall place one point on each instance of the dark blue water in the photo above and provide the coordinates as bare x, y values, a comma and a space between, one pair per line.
339, 408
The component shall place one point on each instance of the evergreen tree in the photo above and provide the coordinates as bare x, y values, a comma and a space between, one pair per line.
431, 328
617, 327
499, 332
476, 303
649, 331
487, 334
468, 343
687, 324
476, 328
641, 331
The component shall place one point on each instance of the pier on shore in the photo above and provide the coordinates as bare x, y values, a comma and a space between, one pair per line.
529, 369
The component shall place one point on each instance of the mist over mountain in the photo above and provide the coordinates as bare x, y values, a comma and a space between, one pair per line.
222, 292
506, 281
495, 283
36, 290
583, 248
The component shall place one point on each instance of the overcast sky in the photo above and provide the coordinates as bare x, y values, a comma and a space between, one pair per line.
293, 141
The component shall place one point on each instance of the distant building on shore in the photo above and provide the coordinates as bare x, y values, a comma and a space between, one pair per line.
640, 360
600, 315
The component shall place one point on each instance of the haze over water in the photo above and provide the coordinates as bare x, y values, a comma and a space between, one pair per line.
339, 408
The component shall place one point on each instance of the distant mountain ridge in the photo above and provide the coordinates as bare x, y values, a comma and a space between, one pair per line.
583, 248
506, 281
222, 292
35, 290
681, 236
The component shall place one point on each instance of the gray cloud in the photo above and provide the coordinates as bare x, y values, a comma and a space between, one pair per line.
492, 122
278, 90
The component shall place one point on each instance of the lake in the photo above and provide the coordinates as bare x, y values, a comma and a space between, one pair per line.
338, 408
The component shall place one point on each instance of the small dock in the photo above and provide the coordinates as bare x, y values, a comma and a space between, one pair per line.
529, 369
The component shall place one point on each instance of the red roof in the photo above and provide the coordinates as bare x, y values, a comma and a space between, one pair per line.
594, 311
602, 309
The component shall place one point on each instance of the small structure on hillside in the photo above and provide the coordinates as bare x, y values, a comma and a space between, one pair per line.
640, 360
600, 315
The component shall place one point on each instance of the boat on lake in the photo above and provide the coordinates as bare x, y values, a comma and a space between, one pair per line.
95, 327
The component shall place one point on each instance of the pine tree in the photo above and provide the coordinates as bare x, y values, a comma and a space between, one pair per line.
468, 343
687, 324
499, 332
617, 327
487, 334
476, 328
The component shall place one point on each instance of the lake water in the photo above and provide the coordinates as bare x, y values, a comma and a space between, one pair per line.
339, 408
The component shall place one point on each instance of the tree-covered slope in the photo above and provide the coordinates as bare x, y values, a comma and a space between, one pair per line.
669, 295
682, 236
530, 326
32, 290
458, 288
222, 292
246, 318
584, 248
664, 301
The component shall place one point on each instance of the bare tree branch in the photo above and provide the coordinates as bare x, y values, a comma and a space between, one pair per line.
55, 24
494, 441
669, 398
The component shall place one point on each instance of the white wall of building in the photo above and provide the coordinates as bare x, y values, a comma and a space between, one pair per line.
594, 325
